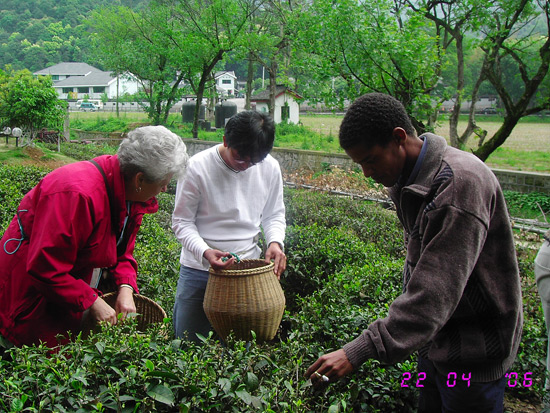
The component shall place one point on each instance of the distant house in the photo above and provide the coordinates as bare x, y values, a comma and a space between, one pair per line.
226, 82
74, 80
483, 104
287, 107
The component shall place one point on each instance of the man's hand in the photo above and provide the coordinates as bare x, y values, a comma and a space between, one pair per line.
214, 257
275, 253
329, 367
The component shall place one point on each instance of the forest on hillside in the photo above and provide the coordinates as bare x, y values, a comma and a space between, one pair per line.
35, 34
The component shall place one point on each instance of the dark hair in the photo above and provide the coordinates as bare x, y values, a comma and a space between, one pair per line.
371, 119
251, 134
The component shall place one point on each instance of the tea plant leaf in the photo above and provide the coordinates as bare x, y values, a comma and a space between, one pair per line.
225, 384
165, 374
252, 381
244, 396
100, 346
162, 394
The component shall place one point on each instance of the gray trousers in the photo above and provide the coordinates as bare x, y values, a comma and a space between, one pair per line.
542, 275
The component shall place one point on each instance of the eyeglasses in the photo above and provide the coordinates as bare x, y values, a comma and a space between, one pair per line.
236, 157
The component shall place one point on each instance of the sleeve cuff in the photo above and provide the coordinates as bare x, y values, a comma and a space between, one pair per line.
360, 350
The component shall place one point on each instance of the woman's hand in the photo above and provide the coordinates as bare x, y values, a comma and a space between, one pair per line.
101, 311
125, 301
214, 257
275, 253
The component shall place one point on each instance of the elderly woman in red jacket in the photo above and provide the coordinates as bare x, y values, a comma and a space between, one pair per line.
80, 218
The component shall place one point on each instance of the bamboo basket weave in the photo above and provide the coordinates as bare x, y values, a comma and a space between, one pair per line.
243, 298
148, 311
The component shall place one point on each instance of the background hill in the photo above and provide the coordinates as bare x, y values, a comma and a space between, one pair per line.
35, 34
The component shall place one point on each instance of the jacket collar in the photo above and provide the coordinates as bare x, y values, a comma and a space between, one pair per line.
115, 180
430, 166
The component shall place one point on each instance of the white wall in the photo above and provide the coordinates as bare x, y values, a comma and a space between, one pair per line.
228, 87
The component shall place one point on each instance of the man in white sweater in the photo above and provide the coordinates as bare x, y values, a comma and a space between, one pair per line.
229, 194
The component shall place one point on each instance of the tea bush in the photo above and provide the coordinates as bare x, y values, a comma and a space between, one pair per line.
344, 269
83, 152
369, 222
314, 253
15, 181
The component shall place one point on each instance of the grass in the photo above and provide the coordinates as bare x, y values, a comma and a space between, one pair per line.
20, 156
527, 149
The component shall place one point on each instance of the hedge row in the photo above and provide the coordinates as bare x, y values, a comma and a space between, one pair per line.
344, 269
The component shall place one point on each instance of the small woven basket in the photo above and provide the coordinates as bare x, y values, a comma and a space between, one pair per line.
148, 311
243, 298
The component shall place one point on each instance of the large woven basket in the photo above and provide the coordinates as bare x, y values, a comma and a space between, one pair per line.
148, 311
243, 298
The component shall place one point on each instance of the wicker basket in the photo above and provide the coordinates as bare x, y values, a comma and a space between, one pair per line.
246, 297
148, 311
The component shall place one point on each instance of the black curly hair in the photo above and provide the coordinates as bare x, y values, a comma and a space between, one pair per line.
371, 119
251, 134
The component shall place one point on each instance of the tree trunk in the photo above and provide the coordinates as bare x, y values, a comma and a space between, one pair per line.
200, 90
453, 120
272, 86
500, 136
249, 80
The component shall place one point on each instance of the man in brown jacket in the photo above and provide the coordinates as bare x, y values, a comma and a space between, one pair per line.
461, 306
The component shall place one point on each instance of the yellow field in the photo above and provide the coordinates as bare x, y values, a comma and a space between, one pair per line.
525, 136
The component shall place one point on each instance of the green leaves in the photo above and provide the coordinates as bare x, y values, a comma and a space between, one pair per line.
162, 394
28, 102
344, 269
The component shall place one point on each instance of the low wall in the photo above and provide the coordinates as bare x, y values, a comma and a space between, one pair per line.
293, 159
523, 182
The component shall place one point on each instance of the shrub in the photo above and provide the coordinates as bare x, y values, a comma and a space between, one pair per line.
15, 182
83, 152
530, 205
368, 221
344, 269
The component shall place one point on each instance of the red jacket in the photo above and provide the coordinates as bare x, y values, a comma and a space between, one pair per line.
45, 283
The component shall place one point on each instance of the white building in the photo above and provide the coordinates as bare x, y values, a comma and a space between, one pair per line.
287, 107
226, 82
483, 104
74, 80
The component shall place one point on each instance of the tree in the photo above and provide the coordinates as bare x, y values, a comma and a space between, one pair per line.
372, 46
501, 44
29, 103
136, 42
497, 28
207, 30
268, 41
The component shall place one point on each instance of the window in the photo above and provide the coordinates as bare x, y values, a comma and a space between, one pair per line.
226, 81
83, 89
55, 77
99, 89
67, 89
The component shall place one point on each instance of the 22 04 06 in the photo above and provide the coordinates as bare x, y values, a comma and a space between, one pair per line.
514, 379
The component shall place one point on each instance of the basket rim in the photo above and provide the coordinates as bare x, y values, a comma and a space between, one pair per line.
139, 297
243, 272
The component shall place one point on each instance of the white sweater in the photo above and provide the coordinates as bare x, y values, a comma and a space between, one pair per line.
218, 207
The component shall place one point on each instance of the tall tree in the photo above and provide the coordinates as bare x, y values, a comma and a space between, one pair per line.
497, 26
269, 40
205, 31
372, 46
133, 42
29, 103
